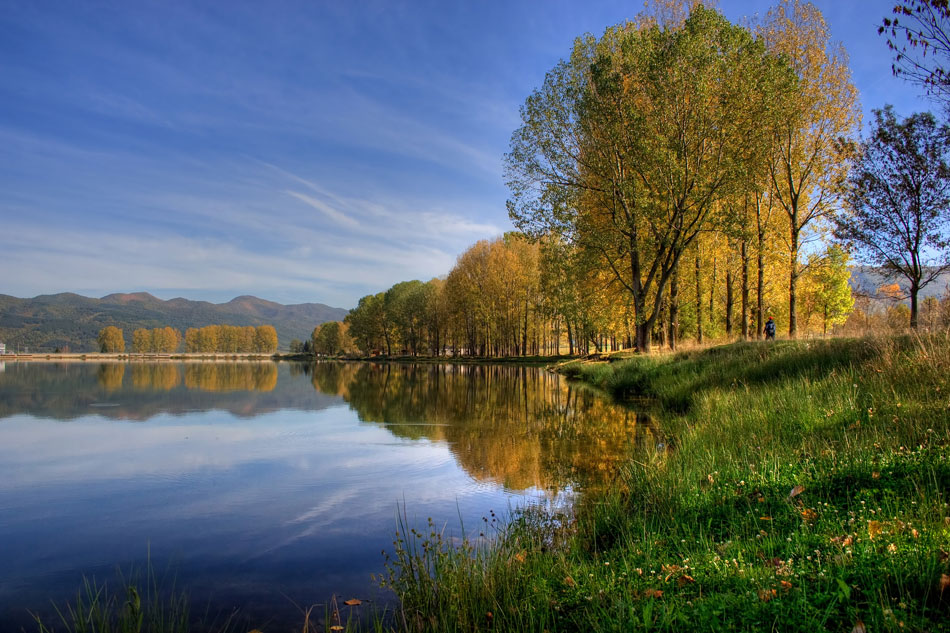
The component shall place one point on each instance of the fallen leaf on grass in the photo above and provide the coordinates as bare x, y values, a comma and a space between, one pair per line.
653, 593
670, 571
767, 594
859, 627
786, 585
353, 602
809, 515
797, 490
570, 582
875, 528
684, 579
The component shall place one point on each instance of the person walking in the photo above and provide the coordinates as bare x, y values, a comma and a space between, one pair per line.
770, 330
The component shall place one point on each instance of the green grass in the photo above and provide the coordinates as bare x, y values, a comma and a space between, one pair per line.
149, 605
804, 487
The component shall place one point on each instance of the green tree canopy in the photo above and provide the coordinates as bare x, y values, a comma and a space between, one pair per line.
629, 145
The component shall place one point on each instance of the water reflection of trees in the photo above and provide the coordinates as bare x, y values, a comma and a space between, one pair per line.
519, 426
205, 377
110, 376
231, 377
159, 377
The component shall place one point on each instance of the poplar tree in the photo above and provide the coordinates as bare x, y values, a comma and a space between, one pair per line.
809, 161
628, 145
110, 340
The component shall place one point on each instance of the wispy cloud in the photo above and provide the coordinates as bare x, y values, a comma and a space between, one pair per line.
324, 208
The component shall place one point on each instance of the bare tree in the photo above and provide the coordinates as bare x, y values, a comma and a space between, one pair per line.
900, 191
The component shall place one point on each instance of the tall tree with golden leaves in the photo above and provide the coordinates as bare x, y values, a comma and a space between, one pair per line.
110, 340
626, 148
809, 161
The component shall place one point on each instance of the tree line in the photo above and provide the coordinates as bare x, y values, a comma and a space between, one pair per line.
683, 176
208, 339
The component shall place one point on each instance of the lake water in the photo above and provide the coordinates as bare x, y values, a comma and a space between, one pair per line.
269, 487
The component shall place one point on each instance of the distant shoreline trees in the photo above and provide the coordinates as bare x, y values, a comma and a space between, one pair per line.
111, 340
209, 339
166, 339
231, 339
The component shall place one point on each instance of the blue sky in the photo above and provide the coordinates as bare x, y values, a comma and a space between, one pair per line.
297, 151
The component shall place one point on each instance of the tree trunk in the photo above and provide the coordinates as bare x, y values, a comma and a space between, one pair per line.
793, 274
643, 337
699, 301
760, 290
729, 301
674, 307
661, 330
914, 289
745, 290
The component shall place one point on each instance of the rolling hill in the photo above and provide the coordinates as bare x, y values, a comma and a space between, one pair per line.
47, 322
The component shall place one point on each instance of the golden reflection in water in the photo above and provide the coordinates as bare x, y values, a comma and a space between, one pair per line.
110, 376
159, 377
516, 426
231, 376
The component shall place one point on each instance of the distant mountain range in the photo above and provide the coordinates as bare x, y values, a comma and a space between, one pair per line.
47, 322
866, 280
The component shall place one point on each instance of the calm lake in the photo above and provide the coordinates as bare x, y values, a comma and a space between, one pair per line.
269, 487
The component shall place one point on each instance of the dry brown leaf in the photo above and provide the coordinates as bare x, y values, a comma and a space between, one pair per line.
809, 515
944, 582
859, 627
765, 518
685, 579
875, 528
570, 582
786, 585
353, 602
797, 490
653, 593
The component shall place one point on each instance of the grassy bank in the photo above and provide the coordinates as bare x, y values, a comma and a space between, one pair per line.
804, 487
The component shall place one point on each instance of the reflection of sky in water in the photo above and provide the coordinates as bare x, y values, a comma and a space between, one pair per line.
253, 510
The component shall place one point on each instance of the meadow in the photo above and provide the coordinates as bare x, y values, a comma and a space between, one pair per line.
802, 486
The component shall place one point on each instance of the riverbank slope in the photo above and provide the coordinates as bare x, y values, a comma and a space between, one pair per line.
804, 486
